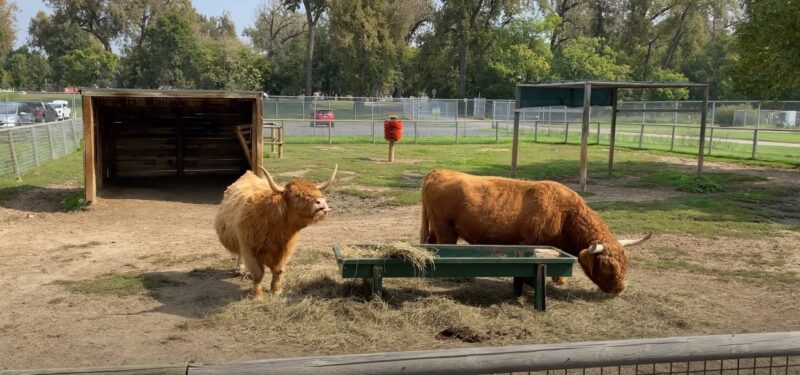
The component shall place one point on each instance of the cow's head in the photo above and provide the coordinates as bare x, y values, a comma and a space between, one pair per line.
606, 263
304, 199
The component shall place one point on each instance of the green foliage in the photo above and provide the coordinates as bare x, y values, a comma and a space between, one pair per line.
668, 94
8, 33
27, 70
586, 58
90, 66
74, 201
768, 42
169, 56
724, 114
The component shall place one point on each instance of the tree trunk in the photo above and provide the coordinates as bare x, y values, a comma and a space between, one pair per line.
462, 68
312, 27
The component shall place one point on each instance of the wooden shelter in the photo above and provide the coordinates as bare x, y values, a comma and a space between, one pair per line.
596, 93
159, 133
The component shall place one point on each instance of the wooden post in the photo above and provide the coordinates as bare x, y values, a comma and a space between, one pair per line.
391, 151
598, 133
373, 131
711, 140
641, 135
536, 131
33, 144
74, 136
282, 136
89, 173
271, 140
415, 131
587, 101
613, 134
64, 136
755, 143
14, 162
541, 291
702, 145
515, 145
50, 142
496, 134
566, 133
330, 140
672, 140
456, 128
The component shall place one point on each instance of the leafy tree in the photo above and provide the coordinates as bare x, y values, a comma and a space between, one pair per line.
8, 33
275, 27
665, 93
314, 9
104, 19
140, 14
768, 42
169, 56
93, 66
27, 69
465, 21
584, 58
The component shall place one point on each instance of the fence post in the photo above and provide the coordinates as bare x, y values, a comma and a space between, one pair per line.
74, 134
64, 135
496, 133
13, 154
758, 116
672, 140
713, 111
456, 130
598, 132
641, 135
373, 131
711, 141
330, 141
755, 143
566, 133
536, 132
50, 142
35, 149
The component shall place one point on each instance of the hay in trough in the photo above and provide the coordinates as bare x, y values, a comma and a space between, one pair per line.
417, 256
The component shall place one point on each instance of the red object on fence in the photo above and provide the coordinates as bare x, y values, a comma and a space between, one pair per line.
393, 129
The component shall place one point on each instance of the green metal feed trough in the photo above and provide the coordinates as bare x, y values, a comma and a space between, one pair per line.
523, 263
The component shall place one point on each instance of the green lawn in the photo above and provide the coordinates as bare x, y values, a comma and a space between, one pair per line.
735, 207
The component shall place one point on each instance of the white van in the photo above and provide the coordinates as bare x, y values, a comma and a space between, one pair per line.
63, 111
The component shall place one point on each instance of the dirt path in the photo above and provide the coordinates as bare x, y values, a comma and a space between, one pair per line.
44, 325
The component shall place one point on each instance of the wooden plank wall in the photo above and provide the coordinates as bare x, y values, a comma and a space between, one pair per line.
168, 137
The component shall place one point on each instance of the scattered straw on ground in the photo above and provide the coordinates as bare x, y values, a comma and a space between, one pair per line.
417, 256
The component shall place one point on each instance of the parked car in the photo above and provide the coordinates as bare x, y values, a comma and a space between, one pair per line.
63, 111
323, 117
15, 114
42, 112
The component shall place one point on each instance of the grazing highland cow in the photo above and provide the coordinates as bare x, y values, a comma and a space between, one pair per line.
259, 221
502, 211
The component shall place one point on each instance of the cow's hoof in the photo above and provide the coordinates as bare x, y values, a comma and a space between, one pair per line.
257, 296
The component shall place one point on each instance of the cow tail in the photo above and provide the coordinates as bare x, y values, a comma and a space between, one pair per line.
423, 229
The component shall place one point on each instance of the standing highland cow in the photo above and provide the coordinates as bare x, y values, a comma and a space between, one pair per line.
259, 221
503, 211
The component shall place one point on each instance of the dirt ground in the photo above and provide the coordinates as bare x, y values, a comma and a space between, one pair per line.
139, 230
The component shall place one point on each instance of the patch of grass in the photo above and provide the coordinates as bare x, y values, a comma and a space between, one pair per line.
689, 182
747, 274
120, 285
74, 202
67, 168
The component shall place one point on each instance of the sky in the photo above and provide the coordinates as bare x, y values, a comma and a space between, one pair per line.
242, 12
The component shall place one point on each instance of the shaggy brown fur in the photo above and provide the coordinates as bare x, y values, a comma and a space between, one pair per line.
494, 210
261, 224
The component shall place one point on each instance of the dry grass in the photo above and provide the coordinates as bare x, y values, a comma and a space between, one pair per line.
417, 256
324, 314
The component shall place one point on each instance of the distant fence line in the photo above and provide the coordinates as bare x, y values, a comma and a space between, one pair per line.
734, 113
23, 148
745, 143
752, 354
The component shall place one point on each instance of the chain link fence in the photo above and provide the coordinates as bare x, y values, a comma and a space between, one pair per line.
23, 148
763, 131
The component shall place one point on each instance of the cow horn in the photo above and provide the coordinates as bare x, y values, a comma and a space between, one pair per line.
635, 242
325, 184
272, 183
596, 249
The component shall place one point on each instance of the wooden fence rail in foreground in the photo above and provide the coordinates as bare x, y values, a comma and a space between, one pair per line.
508, 359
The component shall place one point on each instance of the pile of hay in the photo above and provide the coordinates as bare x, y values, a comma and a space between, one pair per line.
419, 257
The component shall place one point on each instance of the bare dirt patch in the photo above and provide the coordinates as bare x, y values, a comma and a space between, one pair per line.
197, 310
